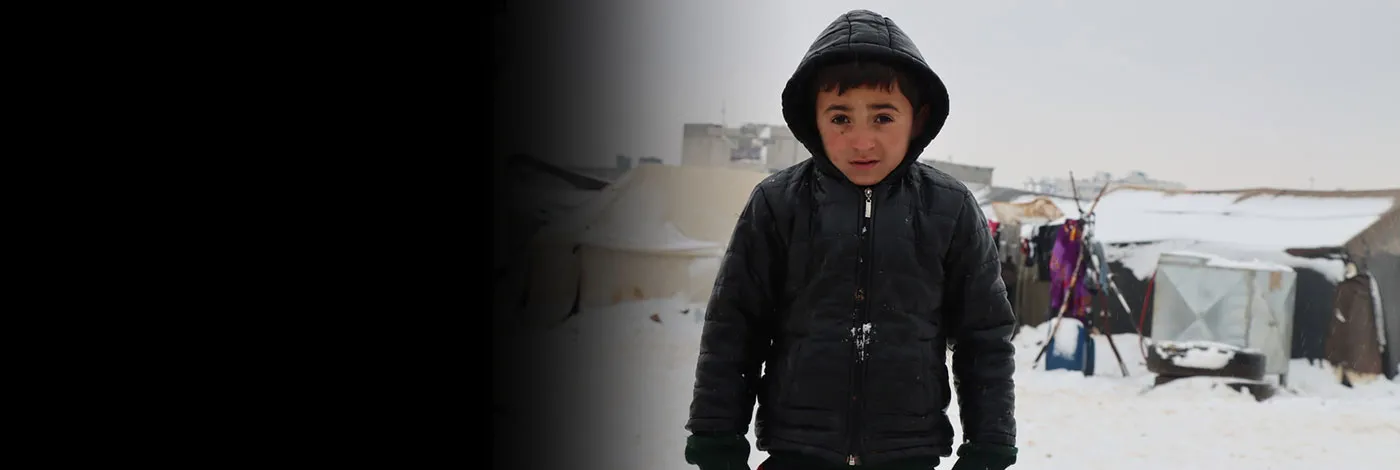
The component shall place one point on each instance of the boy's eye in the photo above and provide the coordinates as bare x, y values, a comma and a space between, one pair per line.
884, 119
840, 119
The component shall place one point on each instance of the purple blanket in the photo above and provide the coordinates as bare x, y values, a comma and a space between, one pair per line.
1068, 245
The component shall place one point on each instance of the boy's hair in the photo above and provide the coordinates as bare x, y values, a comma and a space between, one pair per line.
843, 76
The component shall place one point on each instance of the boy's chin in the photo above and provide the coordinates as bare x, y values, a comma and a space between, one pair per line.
865, 176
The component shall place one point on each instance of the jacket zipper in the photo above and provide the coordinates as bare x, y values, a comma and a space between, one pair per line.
860, 334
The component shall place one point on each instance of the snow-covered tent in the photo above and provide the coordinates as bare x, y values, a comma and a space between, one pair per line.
534, 192
658, 232
539, 191
1310, 231
991, 197
1040, 209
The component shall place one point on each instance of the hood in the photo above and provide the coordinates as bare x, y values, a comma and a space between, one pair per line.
861, 35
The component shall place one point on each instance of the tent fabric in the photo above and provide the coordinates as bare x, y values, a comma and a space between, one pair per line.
1384, 270
1313, 309
1039, 209
657, 232
1352, 342
1266, 220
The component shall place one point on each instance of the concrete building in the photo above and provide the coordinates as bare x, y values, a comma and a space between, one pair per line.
968, 174
750, 146
1089, 187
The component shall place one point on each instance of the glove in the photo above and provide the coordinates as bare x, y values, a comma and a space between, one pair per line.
974, 456
717, 451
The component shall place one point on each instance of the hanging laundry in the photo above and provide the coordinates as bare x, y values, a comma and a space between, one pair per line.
1042, 245
1068, 245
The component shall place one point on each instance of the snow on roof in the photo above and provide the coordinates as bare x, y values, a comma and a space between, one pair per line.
980, 192
1218, 261
1142, 260
1260, 219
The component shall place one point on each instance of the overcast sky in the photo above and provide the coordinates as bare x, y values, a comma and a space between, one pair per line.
1214, 94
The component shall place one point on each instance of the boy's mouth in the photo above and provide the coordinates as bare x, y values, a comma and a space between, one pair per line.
864, 163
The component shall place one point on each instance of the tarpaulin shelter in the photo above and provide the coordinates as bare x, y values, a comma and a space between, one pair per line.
1202, 297
1313, 232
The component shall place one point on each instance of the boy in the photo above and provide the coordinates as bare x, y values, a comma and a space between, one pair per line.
849, 277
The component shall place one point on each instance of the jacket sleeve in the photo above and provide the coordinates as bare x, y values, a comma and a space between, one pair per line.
735, 338
980, 324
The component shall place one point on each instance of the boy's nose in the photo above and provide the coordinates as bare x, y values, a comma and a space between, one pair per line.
862, 140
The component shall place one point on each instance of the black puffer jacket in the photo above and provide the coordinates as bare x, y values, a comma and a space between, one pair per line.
853, 295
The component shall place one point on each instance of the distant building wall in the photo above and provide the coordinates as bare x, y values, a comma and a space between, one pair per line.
752, 146
1088, 187
966, 173
704, 145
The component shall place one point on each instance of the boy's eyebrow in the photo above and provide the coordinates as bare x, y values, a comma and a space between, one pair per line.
842, 107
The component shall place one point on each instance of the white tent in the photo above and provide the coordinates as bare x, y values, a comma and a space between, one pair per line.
658, 232
1241, 225
1298, 229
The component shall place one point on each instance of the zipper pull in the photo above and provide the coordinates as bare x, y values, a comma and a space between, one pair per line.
852, 460
867, 203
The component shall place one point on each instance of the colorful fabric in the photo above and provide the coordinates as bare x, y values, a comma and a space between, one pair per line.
1068, 245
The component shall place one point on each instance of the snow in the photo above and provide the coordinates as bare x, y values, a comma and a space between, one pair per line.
980, 193
1200, 344
1067, 337
1376, 308
616, 388
1217, 261
1211, 356
665, 238
1142, 259
862, 337
706, 265
1263, 222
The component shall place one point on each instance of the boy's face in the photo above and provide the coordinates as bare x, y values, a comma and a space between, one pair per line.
865, 131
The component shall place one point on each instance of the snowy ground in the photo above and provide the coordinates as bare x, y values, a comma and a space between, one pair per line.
619, 385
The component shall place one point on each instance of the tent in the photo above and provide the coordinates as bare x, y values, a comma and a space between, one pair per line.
1204, 297
657, 232
534, 193
1039, 208
1313, 232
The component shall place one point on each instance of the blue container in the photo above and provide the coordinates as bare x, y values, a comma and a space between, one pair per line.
1082, 358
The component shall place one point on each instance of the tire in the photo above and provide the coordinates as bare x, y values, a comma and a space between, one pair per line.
1163, 357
